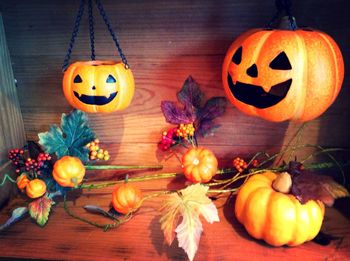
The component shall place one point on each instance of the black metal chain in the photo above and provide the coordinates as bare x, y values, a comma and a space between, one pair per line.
282, 5
91, 30
74, 35
115, 39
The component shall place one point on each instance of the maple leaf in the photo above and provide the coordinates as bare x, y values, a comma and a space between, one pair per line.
190, 94
39, 209
71, 138
188, 204
174, 114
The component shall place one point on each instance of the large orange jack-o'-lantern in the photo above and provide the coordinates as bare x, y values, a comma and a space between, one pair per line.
98, 86
282, 74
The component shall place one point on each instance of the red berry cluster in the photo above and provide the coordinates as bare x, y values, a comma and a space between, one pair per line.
241, 164
17, 158
168, 139
176, 135
24, 165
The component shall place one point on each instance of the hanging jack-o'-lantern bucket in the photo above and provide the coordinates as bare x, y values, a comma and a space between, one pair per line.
288, 73
96, 85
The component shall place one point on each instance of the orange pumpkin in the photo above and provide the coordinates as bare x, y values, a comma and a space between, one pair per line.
35, 188
98, 86
282, 74
199, 165
22, 181
68, 171
126, 198
278, 218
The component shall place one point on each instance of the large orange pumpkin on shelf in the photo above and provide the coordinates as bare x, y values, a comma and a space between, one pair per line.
98, 86
279, 74
278, 218
126, 198
199, 164
68, 171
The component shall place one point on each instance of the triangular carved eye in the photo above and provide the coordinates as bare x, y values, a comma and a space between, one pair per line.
110, 79
237, 57
77, 79
281, 62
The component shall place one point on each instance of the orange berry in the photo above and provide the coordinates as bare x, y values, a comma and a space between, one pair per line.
97, 141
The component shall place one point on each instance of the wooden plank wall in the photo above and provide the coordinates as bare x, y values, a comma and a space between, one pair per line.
11, 123
164, 41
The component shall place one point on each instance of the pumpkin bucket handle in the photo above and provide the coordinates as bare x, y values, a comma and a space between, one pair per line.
91, 31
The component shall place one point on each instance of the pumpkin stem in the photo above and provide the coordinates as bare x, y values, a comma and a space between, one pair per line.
126, 178
288, 23
283, 183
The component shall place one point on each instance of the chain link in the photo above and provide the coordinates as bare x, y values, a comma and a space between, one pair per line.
115, 39
74, 35
91, 30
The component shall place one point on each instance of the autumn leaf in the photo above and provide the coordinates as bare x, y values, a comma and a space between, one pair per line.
188, 204
39, 209
17, 214
190, 94
307, 186
71, 138
174, 114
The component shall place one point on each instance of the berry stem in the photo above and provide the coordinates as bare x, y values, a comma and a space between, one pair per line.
7, 178
121, 167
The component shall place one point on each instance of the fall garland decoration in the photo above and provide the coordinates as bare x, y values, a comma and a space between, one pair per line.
44, 178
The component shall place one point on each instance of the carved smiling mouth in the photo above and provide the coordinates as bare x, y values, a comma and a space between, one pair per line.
95, 100
256, 96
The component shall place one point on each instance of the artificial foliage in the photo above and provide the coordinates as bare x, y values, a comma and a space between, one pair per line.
183, 210
70, 138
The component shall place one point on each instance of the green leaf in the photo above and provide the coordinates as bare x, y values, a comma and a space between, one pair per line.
71, 138
17, 214
39, 209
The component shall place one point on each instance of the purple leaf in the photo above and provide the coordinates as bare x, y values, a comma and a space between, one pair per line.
213, 108
175, 115
207, 128
309, 186
190, 95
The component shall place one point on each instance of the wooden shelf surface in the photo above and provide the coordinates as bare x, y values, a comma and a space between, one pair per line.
66, 238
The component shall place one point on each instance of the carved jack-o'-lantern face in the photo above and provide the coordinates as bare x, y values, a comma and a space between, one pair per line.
98, 86
283, 75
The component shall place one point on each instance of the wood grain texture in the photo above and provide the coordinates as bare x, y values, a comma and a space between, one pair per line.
164, 41
141, 238
11, 123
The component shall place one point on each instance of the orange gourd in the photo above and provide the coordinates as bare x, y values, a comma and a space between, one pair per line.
35, 188
22, 181
98, 86
278, 218
199, 165
68, 171
126, 198
283, 74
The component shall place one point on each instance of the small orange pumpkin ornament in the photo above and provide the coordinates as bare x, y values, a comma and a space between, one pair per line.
98, 86
283, 74
68, 171
278, 218
126, 198
22, 181
199, 165
35, 188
